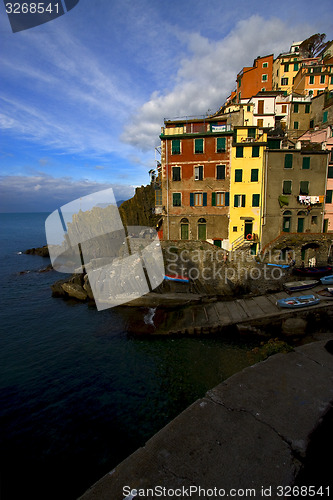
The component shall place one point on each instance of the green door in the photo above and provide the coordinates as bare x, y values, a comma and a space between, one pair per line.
201, 231
300, 225
184, 231
218, 243
325, 225
286, 224
248, 228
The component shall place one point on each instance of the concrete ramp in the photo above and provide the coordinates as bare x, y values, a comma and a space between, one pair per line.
246, 436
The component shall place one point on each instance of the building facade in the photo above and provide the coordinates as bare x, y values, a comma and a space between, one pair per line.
294, 192
195, 180
256, 78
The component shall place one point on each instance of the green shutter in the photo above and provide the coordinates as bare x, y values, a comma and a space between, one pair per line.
176, 199
213, 199
330, 173
325, 116
227, 197
243, 200
304, 187
239, 151
251, 132
254, 174
191, 199
295, 108
306, 162
256, 200
236, 198
238, 175
288, 160
198, 145
204, 199
307, 108
287, 187
220, 172
329, 196
255, 151
176, 147
220, 144
176, 173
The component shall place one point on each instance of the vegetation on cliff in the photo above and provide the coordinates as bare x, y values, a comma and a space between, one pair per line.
138, 211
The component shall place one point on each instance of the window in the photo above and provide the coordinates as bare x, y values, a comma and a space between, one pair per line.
260, 122
286, 68
198, 199
158, 197
288, 160
239, 200
198, 173
300, 224
251, 132
295, 108
295, 66
254, 175
175, 147
256, 200
198, 146
304, 187
295, 125
328, 198
284, 81
310, 93
311, 123
287, 186
220, 172
239, 152
331, 80
307, 108
311, 80
322, 78
238, 175
325, 116
265, 65
218, 199
255, 151
284, 108
248, 108
286, 221
176, 199
264, 78
314, 219
184, 226
176, 174
306, 163
330, 173
234, 229
220, 144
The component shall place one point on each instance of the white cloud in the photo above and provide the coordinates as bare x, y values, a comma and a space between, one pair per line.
43, 192
207, 77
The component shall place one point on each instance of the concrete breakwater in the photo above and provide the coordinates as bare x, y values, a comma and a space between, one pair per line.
247, 436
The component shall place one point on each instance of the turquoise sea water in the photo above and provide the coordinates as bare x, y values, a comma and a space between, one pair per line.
77, 395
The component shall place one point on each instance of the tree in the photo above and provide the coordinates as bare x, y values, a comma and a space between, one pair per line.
313, 46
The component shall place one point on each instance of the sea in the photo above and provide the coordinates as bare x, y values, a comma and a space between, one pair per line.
77, 393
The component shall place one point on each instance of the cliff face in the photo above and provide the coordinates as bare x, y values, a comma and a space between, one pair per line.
138, 211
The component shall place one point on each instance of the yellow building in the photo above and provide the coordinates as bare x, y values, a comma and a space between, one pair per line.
246, 186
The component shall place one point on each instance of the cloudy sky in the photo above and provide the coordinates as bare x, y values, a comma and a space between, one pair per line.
83, 97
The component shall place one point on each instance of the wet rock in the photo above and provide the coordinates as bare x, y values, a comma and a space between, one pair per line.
74, 290
294, 327
40, 251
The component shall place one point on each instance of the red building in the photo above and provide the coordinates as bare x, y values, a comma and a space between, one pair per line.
194, 177
256, 78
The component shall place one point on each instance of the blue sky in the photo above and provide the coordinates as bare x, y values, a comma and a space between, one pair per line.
83, 97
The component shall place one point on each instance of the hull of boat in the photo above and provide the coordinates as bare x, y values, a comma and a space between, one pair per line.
298, 302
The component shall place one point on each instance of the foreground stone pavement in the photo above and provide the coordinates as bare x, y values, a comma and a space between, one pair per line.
247, 435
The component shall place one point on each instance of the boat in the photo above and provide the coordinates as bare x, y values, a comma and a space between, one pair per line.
326, 294
327, 280
316, 272
295, 286
298, 302
180, 279
282, 266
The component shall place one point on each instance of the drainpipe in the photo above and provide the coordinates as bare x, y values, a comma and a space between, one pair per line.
167, 172
264, 190
324, 204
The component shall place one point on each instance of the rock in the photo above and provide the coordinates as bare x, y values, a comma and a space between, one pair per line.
41, 251
75, 291
294, 327
87, 288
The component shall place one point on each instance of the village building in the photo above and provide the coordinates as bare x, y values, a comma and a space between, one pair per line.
294, 193
195, 179
246, 187
313, 79
256, 78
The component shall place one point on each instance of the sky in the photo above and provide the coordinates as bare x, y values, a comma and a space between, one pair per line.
83, 97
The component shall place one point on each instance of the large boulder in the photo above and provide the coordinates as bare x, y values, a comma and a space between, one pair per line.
75, 291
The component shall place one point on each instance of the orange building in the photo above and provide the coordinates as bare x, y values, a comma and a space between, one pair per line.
314, 79
257, 78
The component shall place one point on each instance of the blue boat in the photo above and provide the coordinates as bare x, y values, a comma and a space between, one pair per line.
180, 279
327, 280
296, 286
282, 266
297, 302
